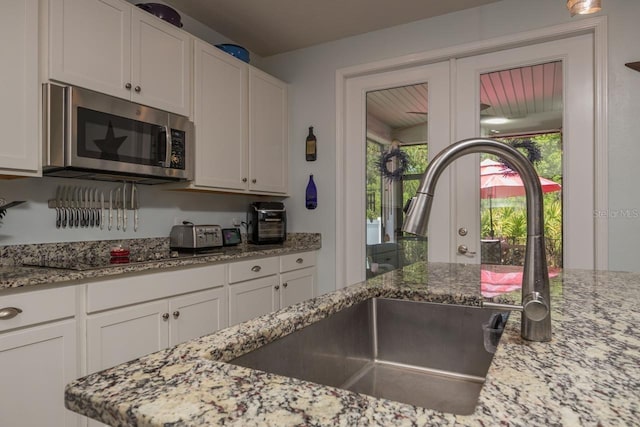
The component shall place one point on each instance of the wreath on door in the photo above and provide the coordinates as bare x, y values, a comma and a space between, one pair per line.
388, 157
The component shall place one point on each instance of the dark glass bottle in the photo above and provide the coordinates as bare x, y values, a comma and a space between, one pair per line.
310, 146
311, 194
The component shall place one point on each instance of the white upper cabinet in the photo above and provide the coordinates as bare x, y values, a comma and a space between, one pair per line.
221, 114
90, 44
161, 64
268, 133
19, 118
240, 115
114, 48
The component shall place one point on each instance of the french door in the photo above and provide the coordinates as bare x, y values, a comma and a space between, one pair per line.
436, 77
454, 114
577, 126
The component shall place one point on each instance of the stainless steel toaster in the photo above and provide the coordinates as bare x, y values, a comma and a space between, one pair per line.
195, 237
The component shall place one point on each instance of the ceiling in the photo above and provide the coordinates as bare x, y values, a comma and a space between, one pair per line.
269, 27
530, 97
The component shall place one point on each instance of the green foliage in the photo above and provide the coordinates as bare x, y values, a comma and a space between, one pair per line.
374, 180
509, 223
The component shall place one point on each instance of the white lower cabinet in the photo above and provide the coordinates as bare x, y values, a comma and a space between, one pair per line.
160, 318
38, 358
197, 314
117, 336
297, 286
120, 335
252, 287
297, 278
252, 298
258, 287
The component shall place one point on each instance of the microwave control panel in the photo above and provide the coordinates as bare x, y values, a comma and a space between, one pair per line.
178, 143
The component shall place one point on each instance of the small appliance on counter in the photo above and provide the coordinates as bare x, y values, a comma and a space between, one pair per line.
231, 236
266, 223
189, 236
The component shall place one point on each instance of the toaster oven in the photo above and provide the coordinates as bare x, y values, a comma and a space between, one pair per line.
267, 223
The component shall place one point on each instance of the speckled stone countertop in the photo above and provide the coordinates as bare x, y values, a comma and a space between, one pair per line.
587, 375
15, 275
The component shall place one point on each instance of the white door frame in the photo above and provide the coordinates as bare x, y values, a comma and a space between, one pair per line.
596, 25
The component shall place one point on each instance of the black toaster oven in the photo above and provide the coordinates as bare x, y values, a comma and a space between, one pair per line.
266, 223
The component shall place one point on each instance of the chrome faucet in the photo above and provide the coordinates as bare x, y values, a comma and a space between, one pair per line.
536, 312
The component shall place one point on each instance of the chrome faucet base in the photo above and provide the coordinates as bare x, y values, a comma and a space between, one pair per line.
536, 319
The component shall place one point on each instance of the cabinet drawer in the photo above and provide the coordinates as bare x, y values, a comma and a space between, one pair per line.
38, 306
296, 261
252, 269
122, 291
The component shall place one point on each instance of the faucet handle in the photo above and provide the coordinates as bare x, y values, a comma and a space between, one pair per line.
535, 307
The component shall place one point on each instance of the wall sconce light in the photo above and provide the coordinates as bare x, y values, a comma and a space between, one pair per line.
583, 7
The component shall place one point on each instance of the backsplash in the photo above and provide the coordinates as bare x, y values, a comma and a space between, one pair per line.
160, 208
36, 253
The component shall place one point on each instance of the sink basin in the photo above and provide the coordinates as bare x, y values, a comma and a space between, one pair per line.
425, 354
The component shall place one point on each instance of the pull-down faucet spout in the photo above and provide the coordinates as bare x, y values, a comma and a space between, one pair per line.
536, 317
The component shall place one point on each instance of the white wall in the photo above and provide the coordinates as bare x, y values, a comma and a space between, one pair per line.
198, 29
311, 74
34, 222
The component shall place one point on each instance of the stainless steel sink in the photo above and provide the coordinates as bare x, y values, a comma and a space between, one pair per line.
426, 354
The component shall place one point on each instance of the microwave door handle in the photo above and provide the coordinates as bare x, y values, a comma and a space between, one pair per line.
167, 161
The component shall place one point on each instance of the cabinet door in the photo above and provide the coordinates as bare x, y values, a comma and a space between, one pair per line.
220, 117
117, 336
90, 44
161, 64
197, 314
251, 299
37, 363
268, 133
297, 286
19, 87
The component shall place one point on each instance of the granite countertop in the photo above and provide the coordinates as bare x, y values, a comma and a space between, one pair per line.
587, 375
16, 275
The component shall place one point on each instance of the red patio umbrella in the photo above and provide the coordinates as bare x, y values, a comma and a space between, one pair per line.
498, 181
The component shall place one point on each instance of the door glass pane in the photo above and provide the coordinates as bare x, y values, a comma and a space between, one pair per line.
396, 158
521, 107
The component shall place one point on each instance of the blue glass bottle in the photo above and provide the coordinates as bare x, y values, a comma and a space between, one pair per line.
311, 194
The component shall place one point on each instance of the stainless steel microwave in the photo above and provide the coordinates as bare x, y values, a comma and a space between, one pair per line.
95, 136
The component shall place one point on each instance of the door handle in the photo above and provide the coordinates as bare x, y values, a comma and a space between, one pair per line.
464, 250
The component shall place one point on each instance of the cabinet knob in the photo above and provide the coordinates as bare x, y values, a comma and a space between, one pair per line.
165, 316
127, 85
285, 284
254, 180
299, 261
137, 89
244, 179
276, 287
9, 313
176, 314
256, 268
